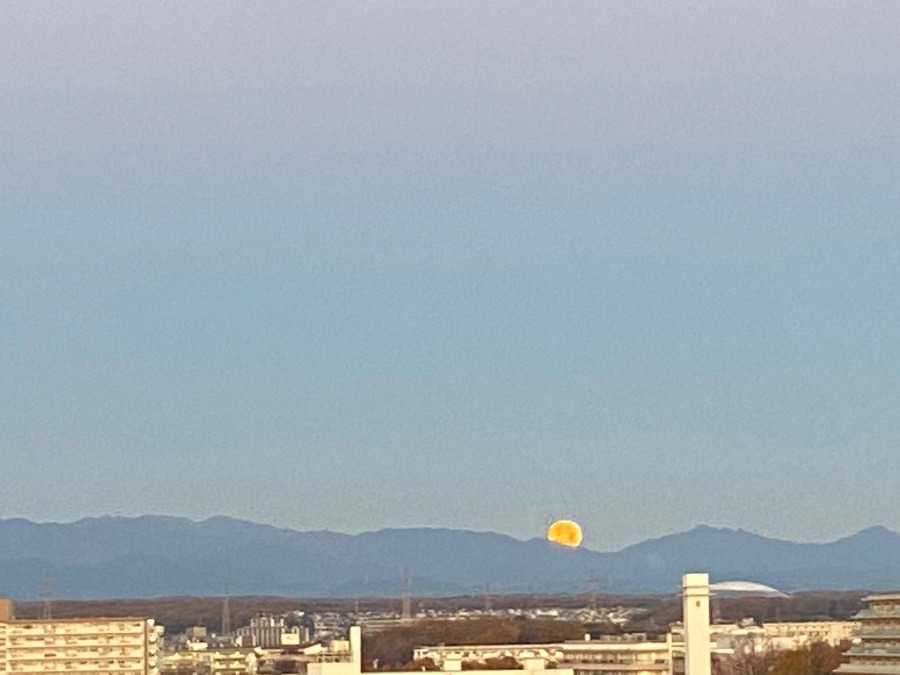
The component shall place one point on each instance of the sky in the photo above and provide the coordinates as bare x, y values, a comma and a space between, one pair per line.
360, 265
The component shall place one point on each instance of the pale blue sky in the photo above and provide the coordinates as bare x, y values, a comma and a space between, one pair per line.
357, 265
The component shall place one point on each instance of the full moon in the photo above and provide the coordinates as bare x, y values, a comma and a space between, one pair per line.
565, 532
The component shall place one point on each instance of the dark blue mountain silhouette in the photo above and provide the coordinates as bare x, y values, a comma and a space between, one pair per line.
161, 555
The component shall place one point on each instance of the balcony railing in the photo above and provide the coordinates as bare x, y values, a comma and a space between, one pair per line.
887, 613
873, 650
867, 669
873, 632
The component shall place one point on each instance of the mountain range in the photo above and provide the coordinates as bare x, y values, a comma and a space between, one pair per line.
151, 556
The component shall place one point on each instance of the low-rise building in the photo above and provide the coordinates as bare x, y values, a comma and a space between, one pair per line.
632, 654
350, 663
748, 637
209, 662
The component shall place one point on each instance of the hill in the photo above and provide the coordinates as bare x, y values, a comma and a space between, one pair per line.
162, 556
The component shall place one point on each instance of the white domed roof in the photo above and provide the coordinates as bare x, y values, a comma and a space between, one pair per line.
725, 588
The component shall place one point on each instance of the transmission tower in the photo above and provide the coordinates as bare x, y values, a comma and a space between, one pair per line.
226, 609
405, 613
47, 598
592, 592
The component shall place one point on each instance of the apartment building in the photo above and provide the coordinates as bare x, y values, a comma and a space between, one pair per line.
878, 650
119, 646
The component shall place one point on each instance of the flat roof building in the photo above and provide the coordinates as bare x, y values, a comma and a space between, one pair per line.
118, 646
609, 655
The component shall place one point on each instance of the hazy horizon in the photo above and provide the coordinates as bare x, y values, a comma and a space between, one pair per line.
540, 536
363, 265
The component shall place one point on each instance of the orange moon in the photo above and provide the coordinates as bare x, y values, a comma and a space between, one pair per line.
565, 532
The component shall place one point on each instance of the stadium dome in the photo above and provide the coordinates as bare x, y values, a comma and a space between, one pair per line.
730, 589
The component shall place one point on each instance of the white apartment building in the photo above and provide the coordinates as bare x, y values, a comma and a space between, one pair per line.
878, 651
747, 637
120, 646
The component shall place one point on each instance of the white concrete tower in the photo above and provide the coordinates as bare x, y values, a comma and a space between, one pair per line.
356, 647
695, 604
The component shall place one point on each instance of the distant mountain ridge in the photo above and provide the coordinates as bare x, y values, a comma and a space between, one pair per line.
151, 556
